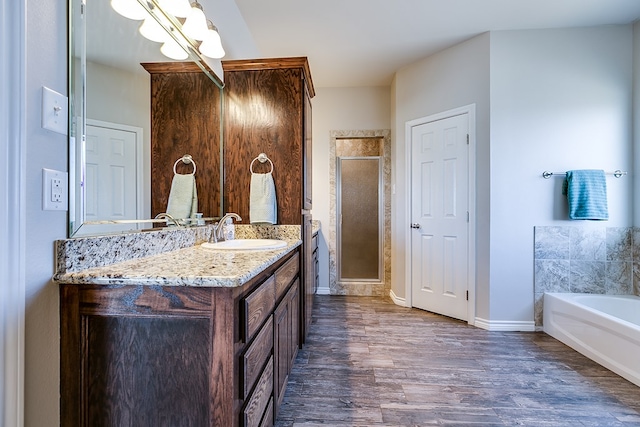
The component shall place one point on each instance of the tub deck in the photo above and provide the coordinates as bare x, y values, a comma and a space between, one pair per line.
586, 323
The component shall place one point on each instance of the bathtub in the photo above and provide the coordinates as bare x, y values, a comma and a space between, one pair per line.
605, 328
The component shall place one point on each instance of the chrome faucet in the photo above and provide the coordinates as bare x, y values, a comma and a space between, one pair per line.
216, 234
169, 219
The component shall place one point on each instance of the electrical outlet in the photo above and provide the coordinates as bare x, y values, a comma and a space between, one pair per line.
54, 190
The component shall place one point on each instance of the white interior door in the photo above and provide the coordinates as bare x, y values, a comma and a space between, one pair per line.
111, 172
439, 216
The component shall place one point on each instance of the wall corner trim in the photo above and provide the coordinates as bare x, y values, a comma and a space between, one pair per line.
323, 291
397, 300
505, 325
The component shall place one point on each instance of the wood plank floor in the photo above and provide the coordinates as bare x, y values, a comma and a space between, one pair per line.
369, 362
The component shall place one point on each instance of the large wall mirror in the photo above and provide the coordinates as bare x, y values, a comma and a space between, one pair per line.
110, 147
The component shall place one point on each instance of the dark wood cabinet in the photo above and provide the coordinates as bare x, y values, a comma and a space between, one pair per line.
316, 265
268, 110
185, 119
140, 355
286, 339
286, 324
308, 276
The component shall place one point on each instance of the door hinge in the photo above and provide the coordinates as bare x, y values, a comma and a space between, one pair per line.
467, 216
467, 295
467, 139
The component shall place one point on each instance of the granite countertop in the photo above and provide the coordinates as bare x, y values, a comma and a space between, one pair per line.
191, 266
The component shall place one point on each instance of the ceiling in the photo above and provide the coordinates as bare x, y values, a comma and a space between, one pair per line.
364, 42
350, 42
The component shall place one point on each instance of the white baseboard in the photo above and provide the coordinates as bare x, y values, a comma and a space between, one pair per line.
397, 300
505, 325
323, 291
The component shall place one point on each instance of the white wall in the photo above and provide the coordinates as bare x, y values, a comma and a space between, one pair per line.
560, 99
46, 65
636, 128
363, 108
545, 100
12, 205
450, 79
118, 96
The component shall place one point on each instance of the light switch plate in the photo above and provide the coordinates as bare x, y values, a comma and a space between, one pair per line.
54, 190
55, 111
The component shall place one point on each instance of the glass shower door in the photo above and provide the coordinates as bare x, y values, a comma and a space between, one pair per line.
360, 219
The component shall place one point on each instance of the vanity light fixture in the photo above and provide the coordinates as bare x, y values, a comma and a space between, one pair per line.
195, 26
173, 50
152, 30
211, 45
178, 8
163, 16
131, 9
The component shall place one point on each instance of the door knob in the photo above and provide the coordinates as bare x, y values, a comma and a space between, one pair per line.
415, 225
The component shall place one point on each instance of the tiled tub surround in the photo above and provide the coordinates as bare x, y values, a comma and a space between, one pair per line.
169, 257
590, 259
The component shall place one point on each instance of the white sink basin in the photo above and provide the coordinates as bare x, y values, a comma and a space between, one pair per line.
246, 245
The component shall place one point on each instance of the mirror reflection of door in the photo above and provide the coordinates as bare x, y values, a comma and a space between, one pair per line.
113, 187
360, 218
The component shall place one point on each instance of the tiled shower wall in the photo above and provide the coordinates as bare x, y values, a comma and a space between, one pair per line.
363, 288
591, 259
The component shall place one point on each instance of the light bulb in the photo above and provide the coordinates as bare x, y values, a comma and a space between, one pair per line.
152, 30
195, 26
178, 8
211, 46
129, 9
173, 50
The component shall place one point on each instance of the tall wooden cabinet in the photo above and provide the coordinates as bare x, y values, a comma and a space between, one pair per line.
268, 110
185, 119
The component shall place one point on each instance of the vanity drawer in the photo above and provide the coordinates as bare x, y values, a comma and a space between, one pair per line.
258, 306
255, 408
267, 421
285, 274
255, 356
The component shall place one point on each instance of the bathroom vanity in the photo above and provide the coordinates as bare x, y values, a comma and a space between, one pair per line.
189, 337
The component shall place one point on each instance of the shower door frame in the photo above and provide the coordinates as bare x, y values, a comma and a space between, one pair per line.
381, 220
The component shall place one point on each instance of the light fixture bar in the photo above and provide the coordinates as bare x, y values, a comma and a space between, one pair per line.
173, 26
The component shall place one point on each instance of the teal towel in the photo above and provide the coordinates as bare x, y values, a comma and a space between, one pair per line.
586, 192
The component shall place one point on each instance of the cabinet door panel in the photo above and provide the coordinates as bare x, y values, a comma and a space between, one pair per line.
128, 379
294, 303
281, 348
306, 170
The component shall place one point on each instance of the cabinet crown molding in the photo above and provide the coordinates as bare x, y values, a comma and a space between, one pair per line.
272, 64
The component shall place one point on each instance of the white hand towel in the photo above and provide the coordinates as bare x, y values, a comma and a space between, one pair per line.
183, 198
263, 207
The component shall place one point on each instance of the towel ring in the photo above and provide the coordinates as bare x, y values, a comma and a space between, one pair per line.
261, 158
186, 159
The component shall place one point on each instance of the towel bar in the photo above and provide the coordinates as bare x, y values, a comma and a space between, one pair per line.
618, 173
262, 157
186, 159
